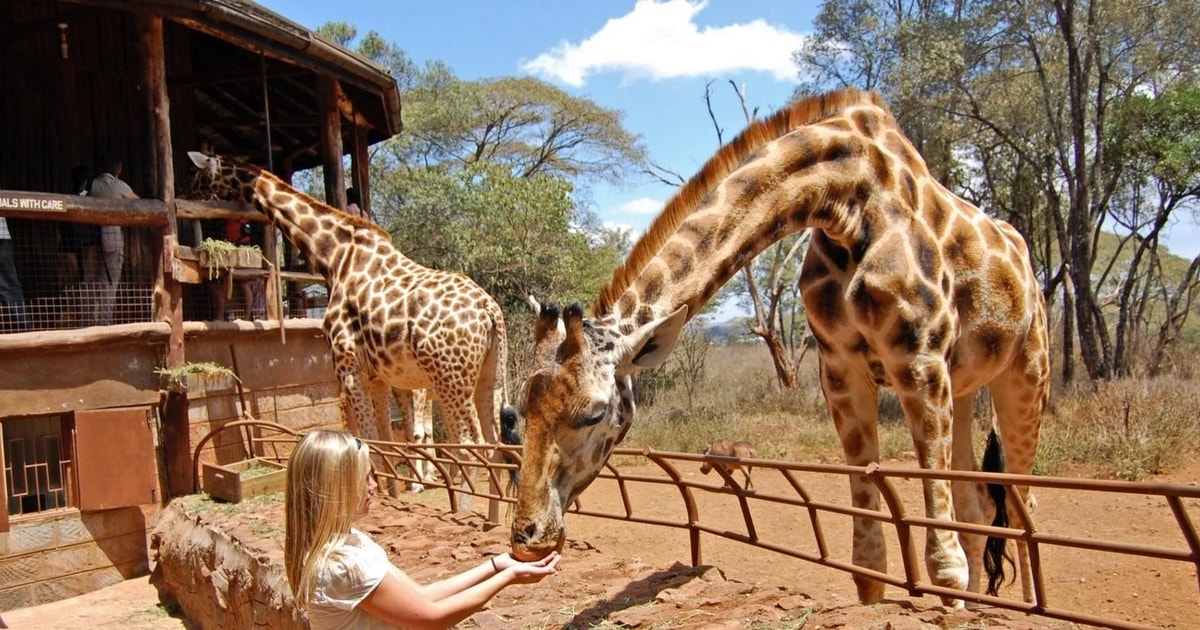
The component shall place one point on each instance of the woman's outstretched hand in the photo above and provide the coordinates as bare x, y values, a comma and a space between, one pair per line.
528, 572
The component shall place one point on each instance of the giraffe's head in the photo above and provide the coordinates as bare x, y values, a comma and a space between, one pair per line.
217, 178
578, 404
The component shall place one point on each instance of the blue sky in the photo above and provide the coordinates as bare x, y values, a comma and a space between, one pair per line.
649, 59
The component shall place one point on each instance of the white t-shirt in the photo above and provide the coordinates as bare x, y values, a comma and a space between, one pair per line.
338, 592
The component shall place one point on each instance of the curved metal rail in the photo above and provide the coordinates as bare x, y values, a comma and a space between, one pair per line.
486, 460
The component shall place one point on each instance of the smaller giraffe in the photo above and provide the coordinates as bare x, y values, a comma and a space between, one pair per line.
391, 323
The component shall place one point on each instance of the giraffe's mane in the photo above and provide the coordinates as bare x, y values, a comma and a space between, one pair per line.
727, 159
312, 201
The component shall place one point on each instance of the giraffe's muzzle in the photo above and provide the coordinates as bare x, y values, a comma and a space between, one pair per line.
530, 542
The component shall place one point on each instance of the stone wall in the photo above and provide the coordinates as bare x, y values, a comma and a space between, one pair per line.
292, 384
45, 558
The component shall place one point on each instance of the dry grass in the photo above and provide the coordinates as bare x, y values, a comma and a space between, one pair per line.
1124, 429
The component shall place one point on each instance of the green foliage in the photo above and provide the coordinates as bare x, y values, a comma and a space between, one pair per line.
176, 378
513, 235
1159, 137
490, 178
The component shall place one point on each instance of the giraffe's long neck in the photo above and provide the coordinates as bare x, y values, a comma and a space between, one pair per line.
324, 235
836, 175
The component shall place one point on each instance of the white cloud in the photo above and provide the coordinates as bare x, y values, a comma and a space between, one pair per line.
660, 40
618, 225
632, 216
641, 205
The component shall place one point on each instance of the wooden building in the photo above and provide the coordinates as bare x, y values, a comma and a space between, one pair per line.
95, 440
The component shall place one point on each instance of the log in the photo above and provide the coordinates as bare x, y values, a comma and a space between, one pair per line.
331, 142
201, 210
23, 204
43, 341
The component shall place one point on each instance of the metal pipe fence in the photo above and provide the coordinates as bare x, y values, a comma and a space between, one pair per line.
485, 466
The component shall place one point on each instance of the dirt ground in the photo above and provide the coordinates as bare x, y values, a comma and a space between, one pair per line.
622, 575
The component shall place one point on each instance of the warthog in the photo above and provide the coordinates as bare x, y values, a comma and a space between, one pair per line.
729, 448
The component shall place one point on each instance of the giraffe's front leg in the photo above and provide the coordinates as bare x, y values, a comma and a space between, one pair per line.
928, 412
416, 412
357, 407
852, 402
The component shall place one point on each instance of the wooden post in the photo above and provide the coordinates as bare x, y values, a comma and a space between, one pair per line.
360, 165
331, 142
168, 292
271, 295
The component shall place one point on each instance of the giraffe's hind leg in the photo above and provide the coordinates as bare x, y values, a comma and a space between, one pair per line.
1019, 397
416, 414
381, 419
462, 427
489, 399
971, 503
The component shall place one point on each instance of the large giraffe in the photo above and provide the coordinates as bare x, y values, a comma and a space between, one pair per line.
391, 323
906, 286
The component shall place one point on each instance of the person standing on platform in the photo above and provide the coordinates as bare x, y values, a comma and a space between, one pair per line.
108, 185
11, 293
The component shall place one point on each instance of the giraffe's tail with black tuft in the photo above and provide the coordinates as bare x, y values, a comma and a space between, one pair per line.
995, 552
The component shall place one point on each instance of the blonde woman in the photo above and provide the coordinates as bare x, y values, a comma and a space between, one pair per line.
342, 578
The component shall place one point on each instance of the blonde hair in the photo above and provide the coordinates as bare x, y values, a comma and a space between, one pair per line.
326, 485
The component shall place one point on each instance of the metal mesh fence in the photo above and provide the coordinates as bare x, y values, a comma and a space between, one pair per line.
60, 281
62, 285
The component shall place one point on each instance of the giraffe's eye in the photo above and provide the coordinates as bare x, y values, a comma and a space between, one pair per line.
588, 421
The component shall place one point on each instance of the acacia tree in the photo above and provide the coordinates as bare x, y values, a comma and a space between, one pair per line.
1155, 145
1026, 90
492, 177
1075, 62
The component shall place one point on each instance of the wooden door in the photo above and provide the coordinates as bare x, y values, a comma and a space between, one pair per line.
114, 458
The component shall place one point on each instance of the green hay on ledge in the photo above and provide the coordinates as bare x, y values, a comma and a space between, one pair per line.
176, 378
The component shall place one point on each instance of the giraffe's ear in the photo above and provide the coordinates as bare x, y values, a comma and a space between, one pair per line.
651, 344
199, 160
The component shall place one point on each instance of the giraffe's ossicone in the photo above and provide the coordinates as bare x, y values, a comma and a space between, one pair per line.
907, 287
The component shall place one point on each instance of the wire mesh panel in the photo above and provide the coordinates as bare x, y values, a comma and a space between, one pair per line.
66, 284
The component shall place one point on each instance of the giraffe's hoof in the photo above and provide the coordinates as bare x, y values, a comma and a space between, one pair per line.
869, 591
957, 604
416, 488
